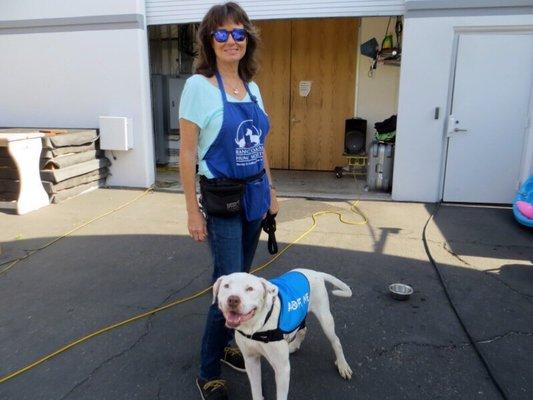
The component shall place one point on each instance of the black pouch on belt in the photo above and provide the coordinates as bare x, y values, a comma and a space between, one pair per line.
221, 197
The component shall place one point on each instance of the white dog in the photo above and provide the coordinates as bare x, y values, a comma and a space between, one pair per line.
263, 313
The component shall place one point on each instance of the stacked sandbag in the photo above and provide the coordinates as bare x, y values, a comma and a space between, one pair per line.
71, 163
9, 179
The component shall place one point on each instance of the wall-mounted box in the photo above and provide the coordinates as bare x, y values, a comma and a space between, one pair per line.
115, 133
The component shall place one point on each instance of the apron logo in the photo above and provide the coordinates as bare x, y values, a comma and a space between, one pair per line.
247, 135
249, 148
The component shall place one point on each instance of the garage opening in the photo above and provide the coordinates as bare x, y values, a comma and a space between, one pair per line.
325, 83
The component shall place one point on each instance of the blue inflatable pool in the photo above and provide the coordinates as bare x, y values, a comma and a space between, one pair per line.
524, 194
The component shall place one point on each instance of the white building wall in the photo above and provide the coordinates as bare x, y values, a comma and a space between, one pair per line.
66, 63
377, 96
424, 85
92, 60
528, 151
39, 9
184, 11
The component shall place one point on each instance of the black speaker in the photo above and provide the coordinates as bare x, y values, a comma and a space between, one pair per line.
354, 136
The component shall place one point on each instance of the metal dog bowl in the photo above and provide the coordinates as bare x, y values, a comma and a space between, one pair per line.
400, 291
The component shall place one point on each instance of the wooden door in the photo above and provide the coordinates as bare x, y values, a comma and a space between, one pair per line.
323, 52
307, 133
274, 81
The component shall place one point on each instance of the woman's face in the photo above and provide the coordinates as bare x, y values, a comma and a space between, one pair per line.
231, 50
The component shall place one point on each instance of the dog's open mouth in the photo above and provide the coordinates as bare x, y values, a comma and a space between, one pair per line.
234, 319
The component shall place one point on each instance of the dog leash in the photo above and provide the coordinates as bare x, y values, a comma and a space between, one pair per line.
269, 226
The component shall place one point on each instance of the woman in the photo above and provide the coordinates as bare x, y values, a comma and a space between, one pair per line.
223, 125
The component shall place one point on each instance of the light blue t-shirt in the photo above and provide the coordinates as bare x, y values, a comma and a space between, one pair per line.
201, 103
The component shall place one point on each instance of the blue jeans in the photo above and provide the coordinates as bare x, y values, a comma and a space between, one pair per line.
233, 243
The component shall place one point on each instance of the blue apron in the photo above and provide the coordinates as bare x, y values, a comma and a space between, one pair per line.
237, 152
293, 291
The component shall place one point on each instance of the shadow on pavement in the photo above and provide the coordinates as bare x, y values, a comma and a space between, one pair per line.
398, 350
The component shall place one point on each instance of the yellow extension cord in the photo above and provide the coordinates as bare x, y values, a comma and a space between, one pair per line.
354, 209
3, 271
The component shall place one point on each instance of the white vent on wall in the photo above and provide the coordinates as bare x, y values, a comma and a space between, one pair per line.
115, 133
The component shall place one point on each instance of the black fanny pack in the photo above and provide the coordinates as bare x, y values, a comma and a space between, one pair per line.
223, 197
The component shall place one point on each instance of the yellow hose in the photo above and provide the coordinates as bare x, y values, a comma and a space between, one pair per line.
354, 209
3, 271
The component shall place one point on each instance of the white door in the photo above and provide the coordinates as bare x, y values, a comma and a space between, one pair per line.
489, 114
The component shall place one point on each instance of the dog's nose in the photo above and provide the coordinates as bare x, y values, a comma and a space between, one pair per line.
234, 301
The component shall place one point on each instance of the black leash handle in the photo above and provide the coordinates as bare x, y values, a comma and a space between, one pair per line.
269, 226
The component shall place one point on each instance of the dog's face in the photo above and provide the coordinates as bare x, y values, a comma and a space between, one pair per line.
241, 296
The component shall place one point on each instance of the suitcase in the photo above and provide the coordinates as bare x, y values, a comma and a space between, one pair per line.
380, 162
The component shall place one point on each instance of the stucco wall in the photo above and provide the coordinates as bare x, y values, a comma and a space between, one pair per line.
424, 85
68, 72
35, 9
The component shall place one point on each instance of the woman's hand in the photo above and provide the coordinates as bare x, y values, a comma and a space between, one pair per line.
197, 226
274, 206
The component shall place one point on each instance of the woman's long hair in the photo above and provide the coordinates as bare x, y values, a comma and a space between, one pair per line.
206, 62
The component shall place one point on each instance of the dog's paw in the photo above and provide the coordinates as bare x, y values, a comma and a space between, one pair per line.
344, 369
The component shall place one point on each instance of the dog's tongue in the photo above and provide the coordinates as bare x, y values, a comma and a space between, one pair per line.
233, 318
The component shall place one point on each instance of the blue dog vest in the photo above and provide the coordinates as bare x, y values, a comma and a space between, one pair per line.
294, 296
293, 292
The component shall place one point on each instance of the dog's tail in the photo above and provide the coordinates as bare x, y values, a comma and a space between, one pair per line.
344, 291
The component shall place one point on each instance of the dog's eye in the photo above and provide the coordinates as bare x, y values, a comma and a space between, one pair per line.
249, 289
226, 286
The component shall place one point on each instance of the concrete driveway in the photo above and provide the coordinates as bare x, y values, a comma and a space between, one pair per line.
139, 257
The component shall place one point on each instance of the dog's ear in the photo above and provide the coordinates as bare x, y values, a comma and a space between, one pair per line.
216, 286
270, 289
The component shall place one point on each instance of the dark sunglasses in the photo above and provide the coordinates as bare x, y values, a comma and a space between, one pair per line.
222, 35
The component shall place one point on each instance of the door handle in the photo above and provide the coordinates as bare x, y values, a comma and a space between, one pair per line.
294, 120
453, 130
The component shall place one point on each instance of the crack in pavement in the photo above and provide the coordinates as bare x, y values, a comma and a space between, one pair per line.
493, 275
487, 272
498, 337
384, 351
148, 327
95, 370
452, 346
175, 292
455, 255
376, 353
493, 245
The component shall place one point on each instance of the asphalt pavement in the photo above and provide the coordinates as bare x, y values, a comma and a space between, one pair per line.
139, 257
